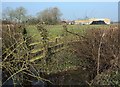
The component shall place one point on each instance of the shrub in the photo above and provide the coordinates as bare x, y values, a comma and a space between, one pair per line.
16, 67
101, 47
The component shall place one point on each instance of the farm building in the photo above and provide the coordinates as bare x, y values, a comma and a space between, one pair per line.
68, 22
82, 22
93, 21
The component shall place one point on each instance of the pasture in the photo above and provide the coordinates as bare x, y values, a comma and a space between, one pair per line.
58, 31
55, 31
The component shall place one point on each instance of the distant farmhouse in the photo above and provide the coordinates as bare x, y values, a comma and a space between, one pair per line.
68, 22
92, 21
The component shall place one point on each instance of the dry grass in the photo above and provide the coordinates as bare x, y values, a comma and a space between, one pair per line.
15, 57
100, 46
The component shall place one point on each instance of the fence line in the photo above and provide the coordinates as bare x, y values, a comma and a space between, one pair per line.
39, 53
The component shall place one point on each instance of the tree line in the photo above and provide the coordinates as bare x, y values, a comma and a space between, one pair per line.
48, 16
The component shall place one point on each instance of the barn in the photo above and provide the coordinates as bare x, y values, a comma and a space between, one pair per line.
99, 21
93, 21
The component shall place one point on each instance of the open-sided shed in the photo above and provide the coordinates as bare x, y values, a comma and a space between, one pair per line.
93, 21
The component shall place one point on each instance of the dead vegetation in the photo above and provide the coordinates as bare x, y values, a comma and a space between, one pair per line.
96, 56
102, 48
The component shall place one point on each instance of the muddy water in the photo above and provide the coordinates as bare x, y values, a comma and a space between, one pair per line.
79, 76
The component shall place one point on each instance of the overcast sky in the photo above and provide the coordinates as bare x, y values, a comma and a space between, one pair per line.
71, 10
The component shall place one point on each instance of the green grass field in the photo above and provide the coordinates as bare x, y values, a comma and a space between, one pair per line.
57, 30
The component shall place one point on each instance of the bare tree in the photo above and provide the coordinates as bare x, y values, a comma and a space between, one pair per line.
18, 14
50, 15
21, 14
8, 14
